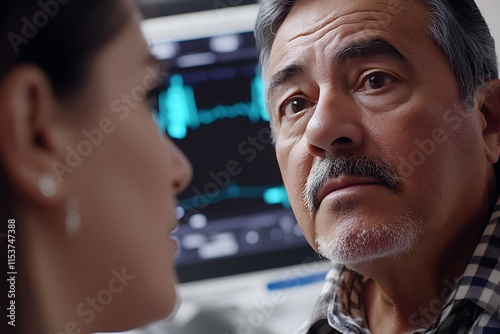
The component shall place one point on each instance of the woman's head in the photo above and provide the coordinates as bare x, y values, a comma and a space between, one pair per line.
77, 140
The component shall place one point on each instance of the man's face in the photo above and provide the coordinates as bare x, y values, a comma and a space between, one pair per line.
375, 147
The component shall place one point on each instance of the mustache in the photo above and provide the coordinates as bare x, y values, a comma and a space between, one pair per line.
331, 167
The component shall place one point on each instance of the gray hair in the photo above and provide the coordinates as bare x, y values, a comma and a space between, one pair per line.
457, 26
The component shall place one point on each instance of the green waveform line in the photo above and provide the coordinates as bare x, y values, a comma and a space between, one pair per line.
270, 195
178, 110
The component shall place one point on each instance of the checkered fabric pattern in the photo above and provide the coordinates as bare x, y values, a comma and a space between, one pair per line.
472, 307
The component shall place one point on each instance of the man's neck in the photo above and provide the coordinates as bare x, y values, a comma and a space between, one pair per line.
406, 293
402, 305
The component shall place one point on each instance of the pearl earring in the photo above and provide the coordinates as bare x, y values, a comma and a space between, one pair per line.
47, 186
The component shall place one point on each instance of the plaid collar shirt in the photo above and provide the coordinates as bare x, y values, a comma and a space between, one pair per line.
473, 306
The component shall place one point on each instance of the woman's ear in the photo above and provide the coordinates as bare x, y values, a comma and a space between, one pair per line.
489, 106
31, 135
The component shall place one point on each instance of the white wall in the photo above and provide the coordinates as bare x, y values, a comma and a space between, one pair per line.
491, 12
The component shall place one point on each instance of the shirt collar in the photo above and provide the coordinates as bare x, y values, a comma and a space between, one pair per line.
480, 282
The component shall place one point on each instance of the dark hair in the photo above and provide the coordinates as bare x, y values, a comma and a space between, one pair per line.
457, 26
61, 37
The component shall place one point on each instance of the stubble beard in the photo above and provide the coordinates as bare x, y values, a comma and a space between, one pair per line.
350, 245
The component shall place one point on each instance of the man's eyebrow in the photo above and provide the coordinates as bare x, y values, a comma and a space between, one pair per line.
369, 48
282, 76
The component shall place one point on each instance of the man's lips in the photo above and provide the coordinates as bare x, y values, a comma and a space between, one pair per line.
343, 182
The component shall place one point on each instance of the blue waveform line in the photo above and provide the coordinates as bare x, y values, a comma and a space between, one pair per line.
178, 110
270, 195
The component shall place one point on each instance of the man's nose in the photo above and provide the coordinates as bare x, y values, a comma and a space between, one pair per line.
335, 127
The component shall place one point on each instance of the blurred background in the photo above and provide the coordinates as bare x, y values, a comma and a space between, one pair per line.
157, 8
243, 263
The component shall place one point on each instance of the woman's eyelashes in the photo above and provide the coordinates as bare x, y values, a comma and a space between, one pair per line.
152, 99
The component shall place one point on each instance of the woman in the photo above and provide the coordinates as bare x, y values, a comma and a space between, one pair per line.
88, 184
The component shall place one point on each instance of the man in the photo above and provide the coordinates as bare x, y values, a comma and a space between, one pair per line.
386, 118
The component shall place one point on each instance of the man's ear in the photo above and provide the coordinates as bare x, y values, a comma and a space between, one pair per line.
31, 135
490, 109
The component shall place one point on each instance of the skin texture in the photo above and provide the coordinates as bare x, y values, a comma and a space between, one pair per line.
327, 106
125, 189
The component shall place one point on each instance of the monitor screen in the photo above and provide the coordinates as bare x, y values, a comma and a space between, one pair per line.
234, 216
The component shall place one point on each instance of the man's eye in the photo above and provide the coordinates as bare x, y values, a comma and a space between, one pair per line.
376, 81
294, 106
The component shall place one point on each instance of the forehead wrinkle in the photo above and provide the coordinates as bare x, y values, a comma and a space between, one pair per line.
385, 14
332, 22
316, 34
